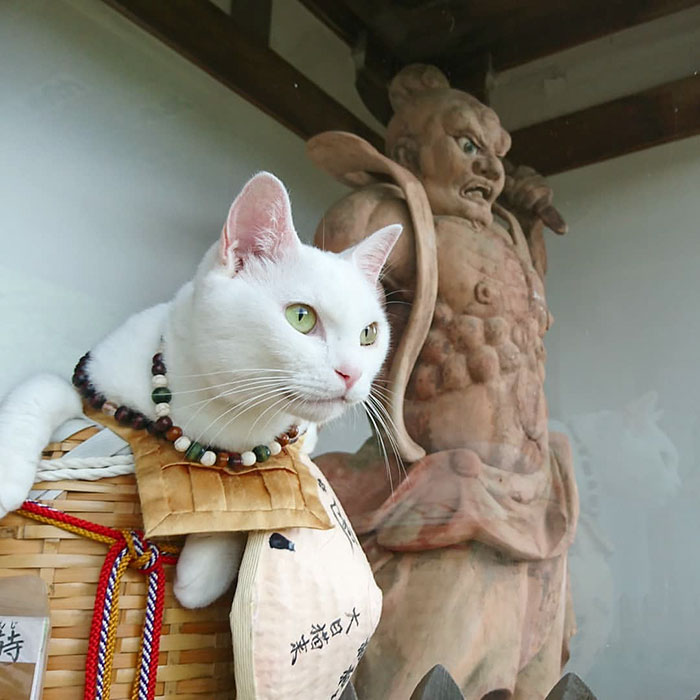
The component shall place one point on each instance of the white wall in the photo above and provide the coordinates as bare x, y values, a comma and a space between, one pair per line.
623, 287
118, 161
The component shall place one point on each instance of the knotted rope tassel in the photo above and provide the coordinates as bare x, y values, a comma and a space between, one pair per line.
126, 548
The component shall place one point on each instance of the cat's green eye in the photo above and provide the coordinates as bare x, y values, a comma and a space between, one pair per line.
467, 145
301, 317
369, 334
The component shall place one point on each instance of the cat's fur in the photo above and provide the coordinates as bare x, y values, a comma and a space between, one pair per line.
239, 372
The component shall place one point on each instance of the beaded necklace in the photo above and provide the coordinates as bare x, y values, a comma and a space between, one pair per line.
194, 451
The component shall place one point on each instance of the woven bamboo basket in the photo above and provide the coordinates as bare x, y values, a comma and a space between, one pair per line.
196, 659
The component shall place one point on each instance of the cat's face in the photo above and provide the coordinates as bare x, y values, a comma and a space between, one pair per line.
302, 331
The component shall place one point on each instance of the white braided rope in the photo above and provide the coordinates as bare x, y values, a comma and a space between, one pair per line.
85, 468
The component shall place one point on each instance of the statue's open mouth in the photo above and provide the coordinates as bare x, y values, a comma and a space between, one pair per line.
477, 193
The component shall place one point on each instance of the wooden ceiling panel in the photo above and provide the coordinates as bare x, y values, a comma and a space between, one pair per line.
511, 31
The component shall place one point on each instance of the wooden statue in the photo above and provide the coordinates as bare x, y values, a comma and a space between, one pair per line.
470, 548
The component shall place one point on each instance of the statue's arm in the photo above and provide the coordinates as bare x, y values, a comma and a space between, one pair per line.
528, 196
364, 211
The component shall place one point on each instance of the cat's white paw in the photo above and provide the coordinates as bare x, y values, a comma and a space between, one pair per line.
16, 479
207, 566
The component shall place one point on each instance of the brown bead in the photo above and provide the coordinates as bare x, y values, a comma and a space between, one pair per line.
122, 415
222, 459
293, 431
173, 434
98, 401
138, 421
158, 368
163, 424
235, 460
283, 439
80, 377
158, 357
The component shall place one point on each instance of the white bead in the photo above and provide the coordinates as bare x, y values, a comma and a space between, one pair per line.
162, 409
182, 443
159, 380
208, 459
275, 448
109, 408
248, 459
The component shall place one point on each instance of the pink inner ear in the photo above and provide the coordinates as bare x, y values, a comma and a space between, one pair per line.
259, 223
371, 254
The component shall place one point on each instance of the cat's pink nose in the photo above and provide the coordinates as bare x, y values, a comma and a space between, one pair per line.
349, 375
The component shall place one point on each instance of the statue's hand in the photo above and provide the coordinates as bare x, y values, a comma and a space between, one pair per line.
527, 191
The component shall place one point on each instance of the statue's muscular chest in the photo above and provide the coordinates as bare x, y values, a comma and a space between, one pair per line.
481, 273
491, 313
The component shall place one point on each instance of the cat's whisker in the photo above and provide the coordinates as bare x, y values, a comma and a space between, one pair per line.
240, 370
225, 394
385, 396
283, 400
380, 441
385, 419
235, 382
390, 430
258, 384
205, 402
385, 391
381, 379
254, 401
293, 398
252, 404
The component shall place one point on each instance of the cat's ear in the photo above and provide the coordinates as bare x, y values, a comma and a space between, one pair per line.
371, 254
259, 223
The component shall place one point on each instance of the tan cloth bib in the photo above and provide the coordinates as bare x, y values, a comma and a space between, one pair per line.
180, 498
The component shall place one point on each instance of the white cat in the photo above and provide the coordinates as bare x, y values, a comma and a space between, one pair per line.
270, 333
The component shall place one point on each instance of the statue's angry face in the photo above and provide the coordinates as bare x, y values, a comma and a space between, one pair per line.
456, 150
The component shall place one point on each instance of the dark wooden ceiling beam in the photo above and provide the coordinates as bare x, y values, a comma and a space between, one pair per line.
255, 17
212, 40
531, 30
511, 31
649, 118
336, 16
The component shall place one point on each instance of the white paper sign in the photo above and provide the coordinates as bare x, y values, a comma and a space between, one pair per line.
22, 638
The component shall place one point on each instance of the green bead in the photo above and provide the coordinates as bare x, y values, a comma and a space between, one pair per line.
194, 452
161, 395
262, 453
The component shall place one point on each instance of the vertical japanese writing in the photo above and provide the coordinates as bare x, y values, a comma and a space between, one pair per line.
319, 636
298, 647
11, 642
322, 634
354, 617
